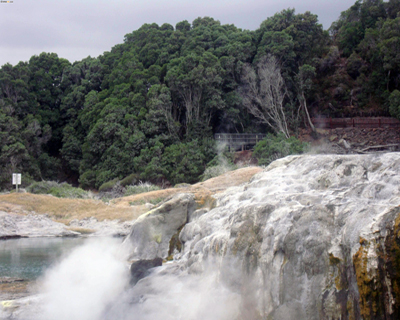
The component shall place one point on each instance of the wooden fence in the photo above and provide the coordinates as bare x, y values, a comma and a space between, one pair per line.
243, 141
332, 123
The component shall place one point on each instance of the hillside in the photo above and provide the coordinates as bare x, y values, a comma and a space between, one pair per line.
149, 107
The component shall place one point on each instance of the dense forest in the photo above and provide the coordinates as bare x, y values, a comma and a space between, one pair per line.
151, 105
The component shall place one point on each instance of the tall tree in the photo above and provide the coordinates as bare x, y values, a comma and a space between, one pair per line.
263, 92
197, 81
304, 84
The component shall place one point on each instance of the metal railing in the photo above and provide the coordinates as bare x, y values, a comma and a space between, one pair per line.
239, 141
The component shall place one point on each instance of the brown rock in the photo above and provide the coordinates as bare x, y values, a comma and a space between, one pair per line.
333, 138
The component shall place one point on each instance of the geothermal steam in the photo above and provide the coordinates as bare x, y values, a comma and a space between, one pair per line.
83, 284
92, 283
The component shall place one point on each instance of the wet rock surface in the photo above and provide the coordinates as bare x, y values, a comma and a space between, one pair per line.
14, 225
141, 268
152, 232
32, 225
107, 228
311, 237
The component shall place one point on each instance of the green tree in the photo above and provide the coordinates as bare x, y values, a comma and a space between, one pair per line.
46, 72
390, 45
298, 36
394, 104
196, 80
185, 162
304, 85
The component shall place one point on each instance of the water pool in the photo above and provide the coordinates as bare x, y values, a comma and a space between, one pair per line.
28, 258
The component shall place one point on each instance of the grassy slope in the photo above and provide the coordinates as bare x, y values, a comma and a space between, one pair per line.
65, 210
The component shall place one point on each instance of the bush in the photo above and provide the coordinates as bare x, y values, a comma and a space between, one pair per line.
87, 179
116, 191
219, 165
140, 188
103, 176
274, 147
108, 186
185, 162
129, 180
394, 104
60, 190
68, 191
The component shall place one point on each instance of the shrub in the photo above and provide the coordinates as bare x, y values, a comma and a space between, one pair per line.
26, 180
185, 162
108, 186
41, 187
103, 176
140, 188
68, 191
274, 147
219, 165
87, 179
60, 190
130, 180
394, 104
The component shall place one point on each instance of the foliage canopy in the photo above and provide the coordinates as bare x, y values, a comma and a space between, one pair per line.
150, 106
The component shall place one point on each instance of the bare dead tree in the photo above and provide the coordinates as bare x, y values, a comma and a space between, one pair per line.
263, 92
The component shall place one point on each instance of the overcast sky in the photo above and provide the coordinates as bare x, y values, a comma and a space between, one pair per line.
76, 29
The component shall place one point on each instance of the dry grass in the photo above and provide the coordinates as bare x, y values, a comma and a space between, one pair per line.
202, 190
229, 179
64, 210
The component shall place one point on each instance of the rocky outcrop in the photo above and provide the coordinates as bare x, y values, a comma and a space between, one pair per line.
314, 237
152, 232
311, 237
107, 228
141, 268
31, 225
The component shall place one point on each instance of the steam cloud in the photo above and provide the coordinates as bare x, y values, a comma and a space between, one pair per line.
175, 297
85, 282
92, 283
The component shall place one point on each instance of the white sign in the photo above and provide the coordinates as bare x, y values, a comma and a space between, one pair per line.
16, 178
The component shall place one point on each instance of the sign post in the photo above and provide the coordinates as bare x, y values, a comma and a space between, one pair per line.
16, 179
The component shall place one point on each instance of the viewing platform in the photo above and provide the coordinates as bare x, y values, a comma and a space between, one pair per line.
239, 141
